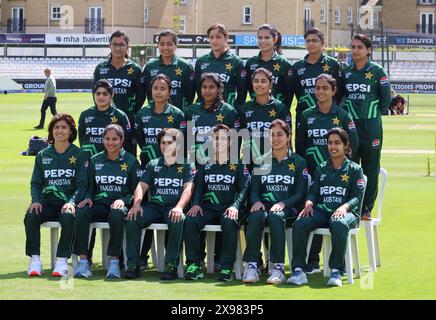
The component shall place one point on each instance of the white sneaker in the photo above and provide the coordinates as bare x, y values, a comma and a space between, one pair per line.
61, 268
335, 280
114, 270
35, 268
277, 276
251, 274
298, 277
82, 270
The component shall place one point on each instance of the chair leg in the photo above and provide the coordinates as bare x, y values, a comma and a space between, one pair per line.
369, 230
377, 247
74, 261
327, 249
238, 263
54, 237
355, 255
153, 249
180, 270
125, 250
210, 248
105, 234
288, 233
160, 236
349, 262
309, 244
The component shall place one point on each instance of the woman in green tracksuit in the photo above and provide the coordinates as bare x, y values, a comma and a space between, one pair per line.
311, 140
221, 188
58, 184
277, 193
112, 178
169, 179
333, 202
176, 68
270, 57
149, 121
229, 67
206, 114
256, 115
367, 97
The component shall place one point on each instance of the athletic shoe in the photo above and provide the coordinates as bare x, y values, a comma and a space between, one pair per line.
170, 272
217, 266
335, 280
132, 272
276, 275
312, 267
35, 268
114, 269
61, 268
38, 127
193, 272
366, 216
226, 275
298, 277
82, 270
251, 273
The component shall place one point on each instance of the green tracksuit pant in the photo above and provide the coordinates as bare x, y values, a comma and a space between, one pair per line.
277, 223
99, 212
153, 213
339, 233
368, 155
50, 212
230, 229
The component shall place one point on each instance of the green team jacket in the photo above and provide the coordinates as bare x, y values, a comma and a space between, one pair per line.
311, 139
166, 182
281, 70
303, 76
284, 181
148, 124
220, 186
204, 120
182, 78
331, 188
92, 123
367, 91
257, 119
59, 178
232, 74
128, 84
110, 180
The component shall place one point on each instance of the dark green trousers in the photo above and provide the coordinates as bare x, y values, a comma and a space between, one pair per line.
229, 238
339, 233
153, 213
50, 212
99, 212
277, 223
368, 155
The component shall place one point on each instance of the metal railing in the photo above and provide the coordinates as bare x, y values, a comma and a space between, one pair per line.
94, 25
16, 26
426, 28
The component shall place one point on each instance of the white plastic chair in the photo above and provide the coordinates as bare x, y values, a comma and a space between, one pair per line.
371, 227
158, 247
211, 231
352, 252
54, 238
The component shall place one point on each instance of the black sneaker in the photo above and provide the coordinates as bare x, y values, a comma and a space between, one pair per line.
226, 275
216, 266
170, 272
312, 267
132, 272
193, 272
38, 127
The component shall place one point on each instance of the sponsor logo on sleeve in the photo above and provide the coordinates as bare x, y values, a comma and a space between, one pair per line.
237, 124
244, 73
183, 125
246, 172
352, 126
384, 81
360, 184
305, 173
376, 143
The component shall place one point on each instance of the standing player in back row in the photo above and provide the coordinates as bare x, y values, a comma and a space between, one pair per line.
125, 77
176, 68
305, 71
228, 66
270, 57
367, 97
